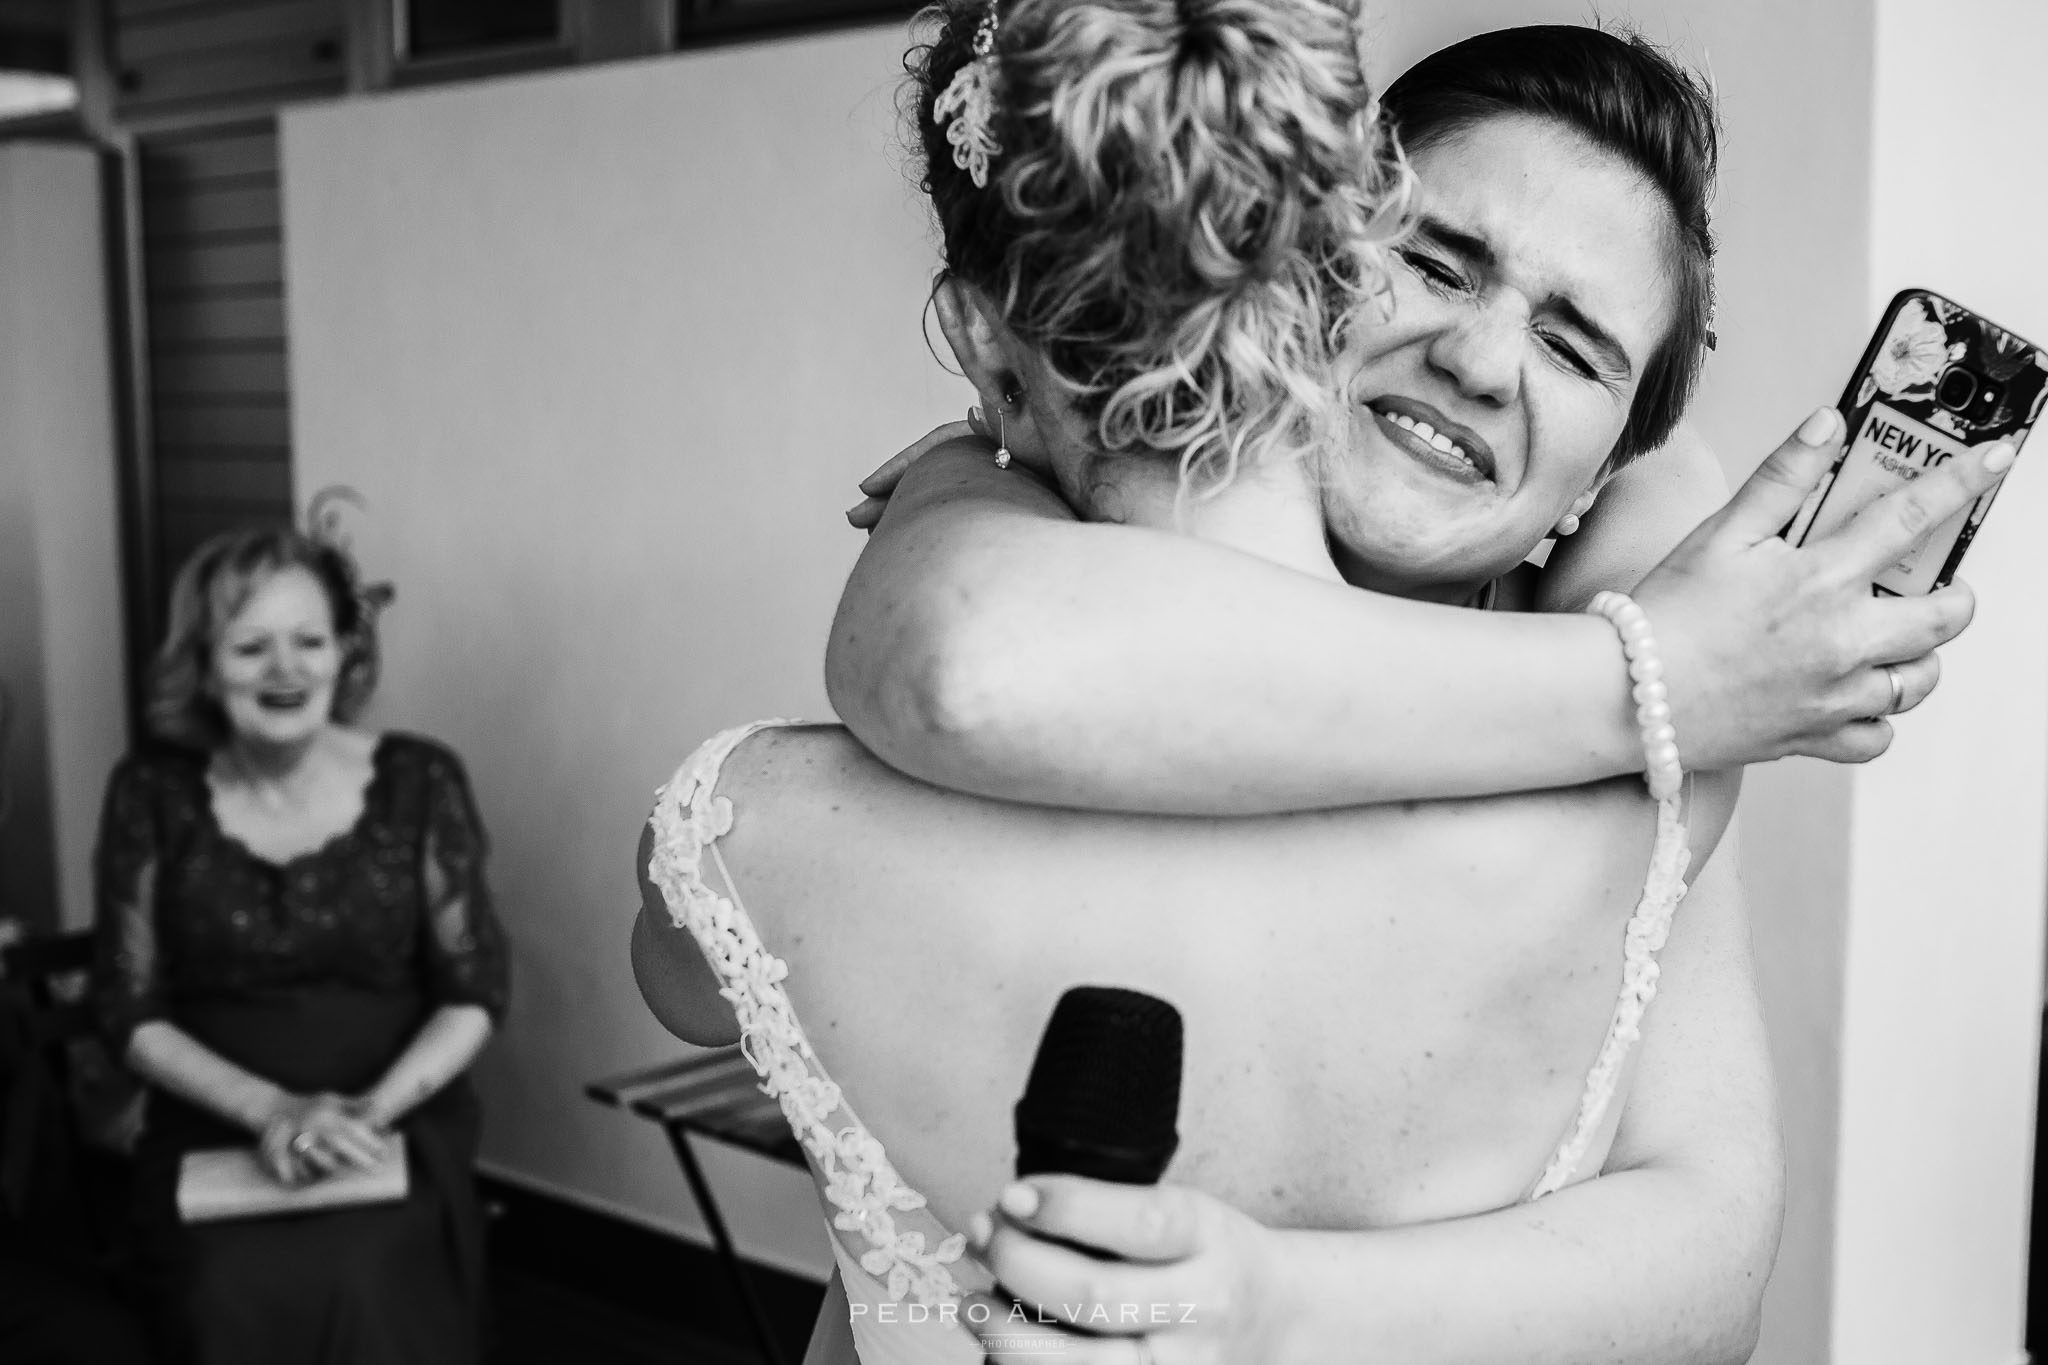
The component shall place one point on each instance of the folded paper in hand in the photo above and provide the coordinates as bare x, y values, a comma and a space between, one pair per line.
230, 1182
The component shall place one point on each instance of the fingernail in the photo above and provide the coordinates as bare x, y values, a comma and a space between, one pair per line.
1999, 458
979, 1229
1820, 428
1019, 1201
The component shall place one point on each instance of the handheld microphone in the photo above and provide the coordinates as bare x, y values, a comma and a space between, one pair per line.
1104, 1091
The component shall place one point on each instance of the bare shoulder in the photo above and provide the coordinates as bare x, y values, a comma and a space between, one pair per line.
783, 761
812, 785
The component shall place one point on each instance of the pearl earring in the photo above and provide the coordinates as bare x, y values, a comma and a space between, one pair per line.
1568, 523
1002, 429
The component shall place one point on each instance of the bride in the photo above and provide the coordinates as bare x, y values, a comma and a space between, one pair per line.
1392, 1012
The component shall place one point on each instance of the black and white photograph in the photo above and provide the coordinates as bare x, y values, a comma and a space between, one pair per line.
1023, 682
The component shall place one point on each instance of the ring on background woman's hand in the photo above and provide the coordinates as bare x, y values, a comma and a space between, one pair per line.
1898, 682
302, 1143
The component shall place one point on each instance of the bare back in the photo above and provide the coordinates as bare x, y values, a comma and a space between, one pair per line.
1390, 1011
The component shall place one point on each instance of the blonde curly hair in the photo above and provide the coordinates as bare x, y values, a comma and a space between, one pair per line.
1191, 199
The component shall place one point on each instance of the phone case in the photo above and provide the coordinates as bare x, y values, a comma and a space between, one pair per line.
1936, 380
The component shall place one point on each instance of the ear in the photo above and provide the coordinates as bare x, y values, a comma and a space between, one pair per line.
979, 340
1583, 503
996, 363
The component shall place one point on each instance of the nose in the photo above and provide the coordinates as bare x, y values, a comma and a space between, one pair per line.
1480, 352
281, 662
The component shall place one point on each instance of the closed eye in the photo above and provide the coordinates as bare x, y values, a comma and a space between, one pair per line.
1437, 274
1568, 354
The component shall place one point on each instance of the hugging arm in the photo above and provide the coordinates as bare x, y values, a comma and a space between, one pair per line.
991, 643
1661, 1260
1644, 510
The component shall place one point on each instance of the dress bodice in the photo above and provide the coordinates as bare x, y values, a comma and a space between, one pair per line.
394, 904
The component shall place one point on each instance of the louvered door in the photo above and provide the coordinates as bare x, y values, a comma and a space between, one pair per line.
198, 82
213, 272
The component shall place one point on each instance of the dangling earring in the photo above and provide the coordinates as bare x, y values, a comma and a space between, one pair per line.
1568, 523
1002, 430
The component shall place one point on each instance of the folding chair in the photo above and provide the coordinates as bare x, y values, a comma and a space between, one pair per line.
716, 1096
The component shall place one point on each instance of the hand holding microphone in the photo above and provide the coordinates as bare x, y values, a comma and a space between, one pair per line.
1144, 1274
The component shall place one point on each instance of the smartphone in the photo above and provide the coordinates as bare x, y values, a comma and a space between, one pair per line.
1936, 380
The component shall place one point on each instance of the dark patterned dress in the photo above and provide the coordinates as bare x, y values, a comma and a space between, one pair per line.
314, 974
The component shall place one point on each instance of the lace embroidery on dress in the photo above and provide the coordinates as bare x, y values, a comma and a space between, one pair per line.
856, 1175
1648, 928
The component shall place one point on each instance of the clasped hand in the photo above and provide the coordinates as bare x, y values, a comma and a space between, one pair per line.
309, 1137
1189, 1280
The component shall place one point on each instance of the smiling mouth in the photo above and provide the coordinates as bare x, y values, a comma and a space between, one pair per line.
283, 698
1434, 439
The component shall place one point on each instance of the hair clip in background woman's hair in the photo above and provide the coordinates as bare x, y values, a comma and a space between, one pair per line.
969, 100
324, 527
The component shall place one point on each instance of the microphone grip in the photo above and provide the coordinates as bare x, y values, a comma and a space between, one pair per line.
1050, 1154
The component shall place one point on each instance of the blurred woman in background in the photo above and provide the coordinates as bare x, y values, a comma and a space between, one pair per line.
298, 950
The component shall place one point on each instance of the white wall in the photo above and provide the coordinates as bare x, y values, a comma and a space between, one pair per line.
61, 654
606, 352
1950, 832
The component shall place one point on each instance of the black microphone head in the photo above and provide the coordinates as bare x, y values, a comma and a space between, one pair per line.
1105, 1088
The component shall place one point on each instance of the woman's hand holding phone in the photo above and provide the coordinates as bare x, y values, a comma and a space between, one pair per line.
1772, 650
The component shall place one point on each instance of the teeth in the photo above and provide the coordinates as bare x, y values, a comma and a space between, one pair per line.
1435, 438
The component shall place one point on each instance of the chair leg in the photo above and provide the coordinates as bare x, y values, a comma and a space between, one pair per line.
756, 1316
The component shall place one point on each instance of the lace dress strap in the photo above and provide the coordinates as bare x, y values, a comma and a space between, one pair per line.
1647, 930
901, 1243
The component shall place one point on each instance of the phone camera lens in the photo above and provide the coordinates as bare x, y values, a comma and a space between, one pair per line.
1986, 402
1957, 387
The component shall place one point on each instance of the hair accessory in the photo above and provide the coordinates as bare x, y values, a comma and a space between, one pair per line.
325, 526
969, 100
1661, 768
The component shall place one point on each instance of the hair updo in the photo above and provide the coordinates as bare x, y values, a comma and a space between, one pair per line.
1189, 201
1629, 99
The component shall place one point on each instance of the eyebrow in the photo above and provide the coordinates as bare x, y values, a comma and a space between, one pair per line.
1477, 249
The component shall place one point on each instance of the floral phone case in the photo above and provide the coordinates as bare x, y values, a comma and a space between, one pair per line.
1937, 380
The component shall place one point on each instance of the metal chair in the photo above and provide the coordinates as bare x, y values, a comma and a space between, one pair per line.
716, 1096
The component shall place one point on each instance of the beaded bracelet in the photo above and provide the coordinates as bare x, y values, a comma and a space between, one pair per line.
1662, 770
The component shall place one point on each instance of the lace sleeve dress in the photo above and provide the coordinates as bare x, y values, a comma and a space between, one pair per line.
315, 974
